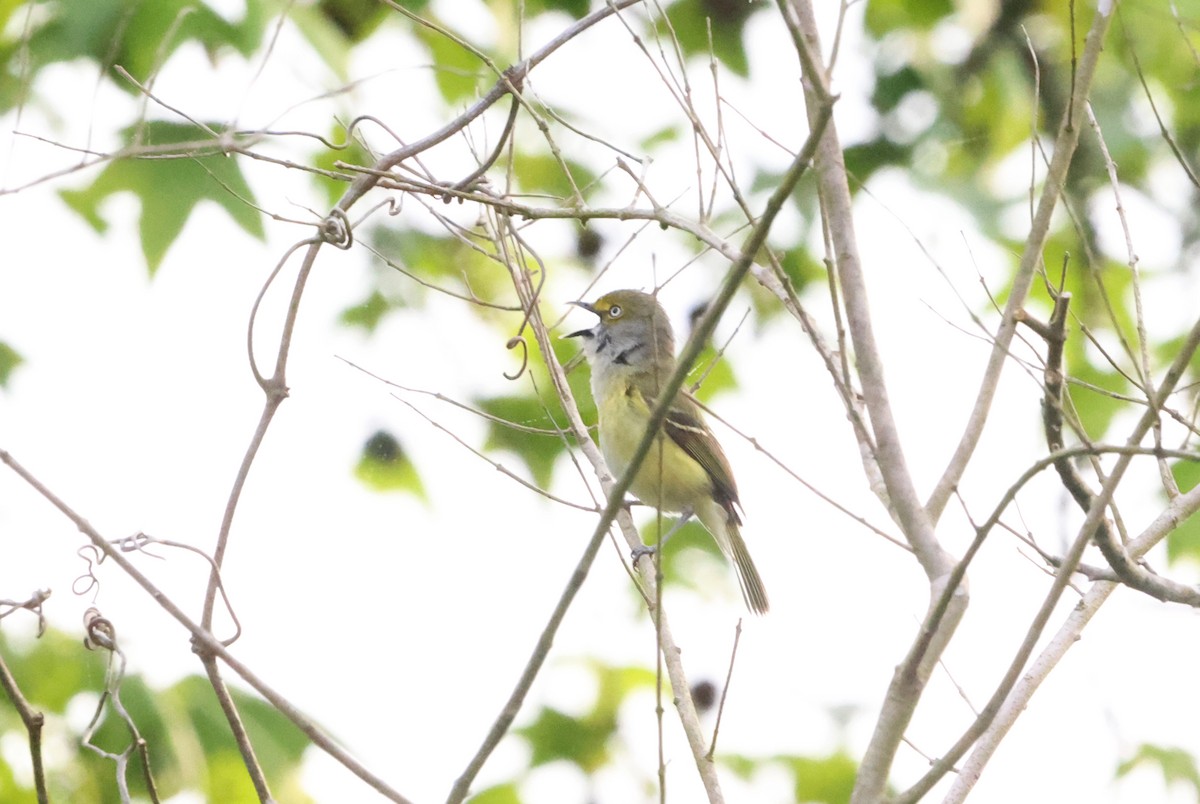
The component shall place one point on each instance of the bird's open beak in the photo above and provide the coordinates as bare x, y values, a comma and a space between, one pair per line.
589, 333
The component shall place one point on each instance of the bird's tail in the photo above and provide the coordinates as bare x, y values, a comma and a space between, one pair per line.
724, 528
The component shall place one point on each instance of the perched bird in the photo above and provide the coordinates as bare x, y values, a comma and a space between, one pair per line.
632, 355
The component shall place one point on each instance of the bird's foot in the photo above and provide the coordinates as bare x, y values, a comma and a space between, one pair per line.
651, 549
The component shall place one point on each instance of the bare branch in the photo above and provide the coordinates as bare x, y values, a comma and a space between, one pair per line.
1031, 256
203, 641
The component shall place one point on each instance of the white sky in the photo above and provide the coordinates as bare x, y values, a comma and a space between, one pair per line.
402, 626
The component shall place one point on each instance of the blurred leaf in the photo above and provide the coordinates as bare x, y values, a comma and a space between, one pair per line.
278, 744
616, 682
1094, 406
367, 313
577, 9
829, 780
1176, 764
500, 794
169, 190
152, 724
353, 154
884, 16
557, 736
542, 173
50, 671
131, 34
227, 781
802, 268
864, 159
438, 258
383, 466
690, 21
457, 70
1003, 84
1184, 540
358, 19
10, 790
692, 538
584, 741
9, 360
188, 738
323, 36
664, 135
426, 255
537, 451
715, 374
891, 88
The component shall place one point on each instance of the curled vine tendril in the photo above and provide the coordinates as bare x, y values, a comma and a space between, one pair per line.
88, 581
335, 229
100, 632
513, 343
34, 604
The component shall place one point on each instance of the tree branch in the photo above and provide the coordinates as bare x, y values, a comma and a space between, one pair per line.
1031, 256
203, 640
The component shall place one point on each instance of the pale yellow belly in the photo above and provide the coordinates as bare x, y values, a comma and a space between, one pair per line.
668, 478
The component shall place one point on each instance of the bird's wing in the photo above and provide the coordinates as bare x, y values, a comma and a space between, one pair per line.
687, 429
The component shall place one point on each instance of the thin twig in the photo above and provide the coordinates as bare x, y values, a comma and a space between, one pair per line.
34, 720
203, 640
737, 638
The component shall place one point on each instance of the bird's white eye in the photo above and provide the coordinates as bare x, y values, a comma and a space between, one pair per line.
614, 311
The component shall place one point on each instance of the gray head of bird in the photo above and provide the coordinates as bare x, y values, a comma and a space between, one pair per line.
633, 330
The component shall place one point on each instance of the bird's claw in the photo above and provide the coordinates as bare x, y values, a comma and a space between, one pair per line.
639, 553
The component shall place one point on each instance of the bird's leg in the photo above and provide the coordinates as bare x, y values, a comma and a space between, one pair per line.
650, 549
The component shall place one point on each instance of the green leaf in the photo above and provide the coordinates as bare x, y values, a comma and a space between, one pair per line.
169, 190
864, 159
383, 466
324, 36
578, 9
891, 88
189, 743
277, 741
555, 736
542, 173
663, 136
687, 540
457, 70
144, 710
278, 744
584, 741
887, 15
1096, 403
1184, 540
437, 258
715, 375
354, 153
133, 35
802, 268
51, 670
538, 451
357, 19
691, 21
367, 313
226, 779
1176, 764
829, 780
9, 360
10, 790
500, 794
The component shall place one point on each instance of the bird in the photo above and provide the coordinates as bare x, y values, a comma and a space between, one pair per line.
631, 352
